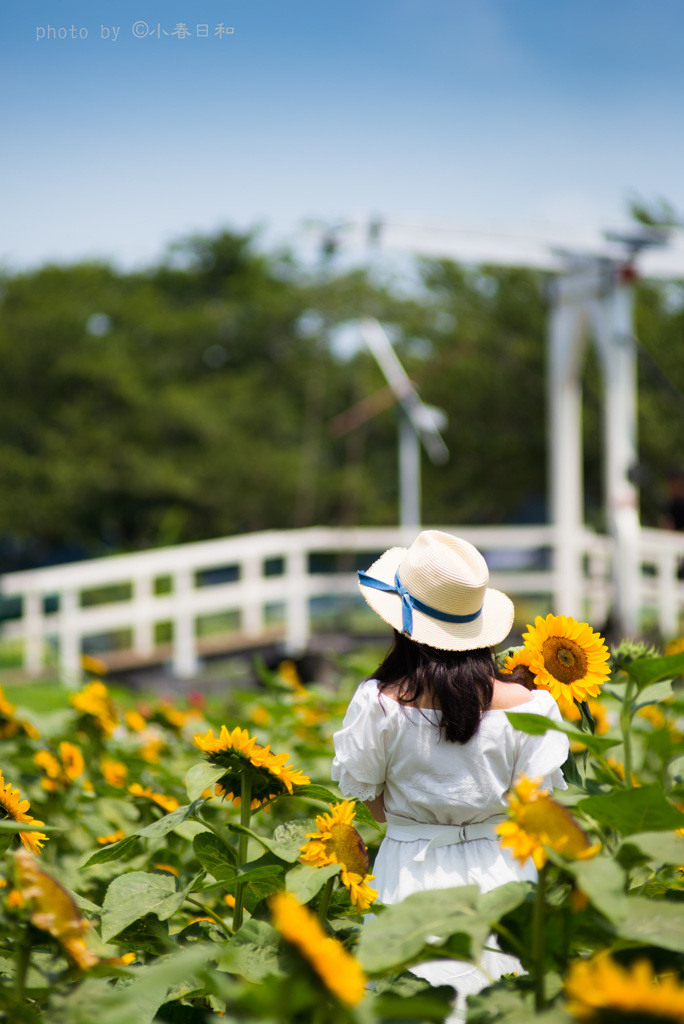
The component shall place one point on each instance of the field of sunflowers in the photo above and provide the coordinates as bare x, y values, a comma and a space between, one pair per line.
174, 862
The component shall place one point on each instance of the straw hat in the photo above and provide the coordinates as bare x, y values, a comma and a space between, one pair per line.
436, 593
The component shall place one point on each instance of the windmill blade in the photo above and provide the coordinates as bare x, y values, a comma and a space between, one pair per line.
423, 419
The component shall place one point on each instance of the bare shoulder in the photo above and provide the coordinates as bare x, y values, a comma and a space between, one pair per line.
509, 695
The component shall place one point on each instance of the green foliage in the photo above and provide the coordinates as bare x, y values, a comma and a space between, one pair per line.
163, 891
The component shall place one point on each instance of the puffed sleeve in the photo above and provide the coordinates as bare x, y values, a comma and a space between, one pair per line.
361, 745
542, 756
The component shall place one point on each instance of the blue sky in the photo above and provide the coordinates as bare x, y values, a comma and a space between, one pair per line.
463, 112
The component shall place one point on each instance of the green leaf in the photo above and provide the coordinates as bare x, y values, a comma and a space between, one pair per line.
200, 777
135, 894
305, 881
214, 856
154, 831
676, 767
571, 773
137, 1002
645, 671
537, 725
647, 921
8, 825
315, 792
364, 817
164, 825
652, 922
642, 809
602, 880
654, 694
656, 847
289, 837
285, 844
427, 920
249, 874
82, 903
252, 952
113, 851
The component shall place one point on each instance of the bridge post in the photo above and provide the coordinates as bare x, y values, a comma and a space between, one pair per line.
143, 630
33, 632
69, 637
253, 616
668, 605
185, 661
298, 625
566, 484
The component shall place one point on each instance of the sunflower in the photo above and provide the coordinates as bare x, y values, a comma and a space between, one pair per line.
567, 658
338, 842
60, 771
114, 837
52, 909
521, 659
539, 821
153, 745
167, 803
9, 724
659, 722
238, 752
168, 715
338, 970
94, 700
134, 720
12, 806
114, 772
601, 989
288, 672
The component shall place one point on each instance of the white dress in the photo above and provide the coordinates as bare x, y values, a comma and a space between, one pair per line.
385, 747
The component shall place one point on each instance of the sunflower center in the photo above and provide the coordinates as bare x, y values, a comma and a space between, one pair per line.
347, 845
564, 659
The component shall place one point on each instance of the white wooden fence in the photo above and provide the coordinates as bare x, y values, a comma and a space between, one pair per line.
269, 575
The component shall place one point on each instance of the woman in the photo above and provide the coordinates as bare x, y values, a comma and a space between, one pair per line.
426, 743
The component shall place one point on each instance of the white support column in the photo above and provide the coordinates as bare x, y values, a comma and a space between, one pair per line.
185, 661
143, 628
69, 638
614, 334
298, 625
34, 631
409, 473
668, 605
565, 449
252, 612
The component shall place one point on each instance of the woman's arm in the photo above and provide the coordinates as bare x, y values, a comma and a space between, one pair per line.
377, 808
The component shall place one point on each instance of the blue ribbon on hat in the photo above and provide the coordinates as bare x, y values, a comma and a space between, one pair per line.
409, 603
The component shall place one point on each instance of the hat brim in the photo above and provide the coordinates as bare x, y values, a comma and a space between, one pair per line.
492, 625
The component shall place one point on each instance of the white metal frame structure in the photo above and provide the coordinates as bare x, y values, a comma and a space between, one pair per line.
593, 298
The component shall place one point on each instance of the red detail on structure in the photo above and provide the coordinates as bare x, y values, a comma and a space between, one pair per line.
627, 273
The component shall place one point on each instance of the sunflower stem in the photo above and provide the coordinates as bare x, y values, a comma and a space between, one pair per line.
626, 727
23, 960
320, 1014
245, 815
538, 942
505, 933
325, 899
210, 913
212, 828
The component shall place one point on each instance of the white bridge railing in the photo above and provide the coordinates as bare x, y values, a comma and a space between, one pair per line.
269, 580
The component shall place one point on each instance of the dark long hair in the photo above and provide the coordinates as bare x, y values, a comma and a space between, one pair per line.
459, 683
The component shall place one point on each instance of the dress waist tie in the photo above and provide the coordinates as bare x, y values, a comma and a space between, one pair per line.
441, 835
